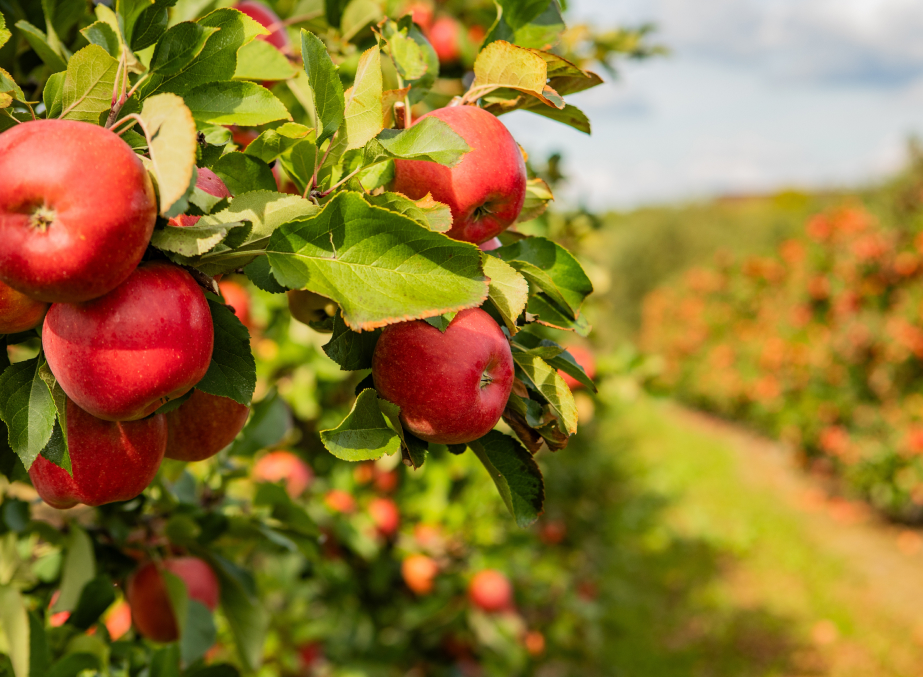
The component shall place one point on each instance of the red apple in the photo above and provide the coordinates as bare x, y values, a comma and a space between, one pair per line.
385, 515
310, 654
263, 15
486, 190
118, 619
77, 210
19, 312
243, 136
451, 387
123, 355
421, 13
419, 572
586, 360
444, 36
147, 596
203, 425
386, 480
110, 461
490, 590
237, 296
284, 465
209, 182
340, 501
490, 245
535, 643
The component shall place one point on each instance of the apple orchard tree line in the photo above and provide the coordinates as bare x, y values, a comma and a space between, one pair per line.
131, 181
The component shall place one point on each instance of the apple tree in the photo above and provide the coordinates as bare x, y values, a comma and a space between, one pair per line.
152, 152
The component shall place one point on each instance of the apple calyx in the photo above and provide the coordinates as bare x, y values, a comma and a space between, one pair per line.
42, 218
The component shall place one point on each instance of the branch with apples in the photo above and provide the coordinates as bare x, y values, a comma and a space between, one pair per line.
157, 155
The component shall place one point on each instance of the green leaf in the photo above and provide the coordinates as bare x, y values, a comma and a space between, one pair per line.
269, 423
363, 118
413, 56
100, 33
57, 452
88, 85
413, 449
363, 435
244, 173
247, 618
430, 139
569, 115
39, 653
427, 212
519, 13
39, 42
529, 23
173, 141
260, 274
258, 60
357, 15
271, 143
329, 102
550, 314
508, 290
97, 596
27, 408
551, 268
515, 473
235, 103
78, 570
298, 162
407, 55
557, 357
14, 627
179, 47
267, 210
544, 379
232, 372
165, 662
349, 349
441, 322
150, 25
5, 33
191, 240
538, 195
215, 62
503, 65
178, 595
199, 634
379, 266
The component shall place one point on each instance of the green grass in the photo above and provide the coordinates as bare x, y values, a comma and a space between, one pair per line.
719, 572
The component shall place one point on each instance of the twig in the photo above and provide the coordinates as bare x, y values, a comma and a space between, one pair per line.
317, 167
341, 182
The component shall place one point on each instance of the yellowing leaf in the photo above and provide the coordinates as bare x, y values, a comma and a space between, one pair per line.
173, 140
503, 65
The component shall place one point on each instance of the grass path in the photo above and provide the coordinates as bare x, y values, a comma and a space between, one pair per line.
803, 584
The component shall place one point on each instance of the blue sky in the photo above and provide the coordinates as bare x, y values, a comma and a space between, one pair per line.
757, 95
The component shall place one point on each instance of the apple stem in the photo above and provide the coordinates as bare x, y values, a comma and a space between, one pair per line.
121, 77
317, 167
134, 117
42, 218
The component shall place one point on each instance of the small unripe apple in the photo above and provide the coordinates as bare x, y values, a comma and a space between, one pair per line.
110, 461
147, 595
490, 591
307, 307
451, 387
19, 312
203, 425
444, 35
340, 501
586, 360
385, 515
118, 619
77, 209
284, 465
125, 354
419, 572
263, 15
209, 182
486, 190
237, 296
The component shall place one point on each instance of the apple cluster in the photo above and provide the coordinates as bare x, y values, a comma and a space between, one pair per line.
122, 335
